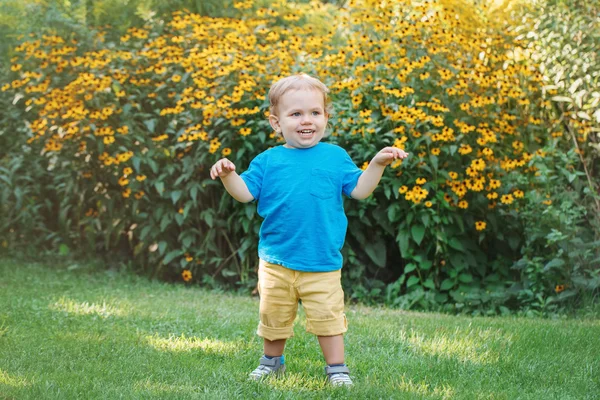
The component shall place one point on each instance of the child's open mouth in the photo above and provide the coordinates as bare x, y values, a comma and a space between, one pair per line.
306, 132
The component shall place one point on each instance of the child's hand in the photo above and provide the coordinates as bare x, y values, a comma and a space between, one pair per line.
388, 154
222, 168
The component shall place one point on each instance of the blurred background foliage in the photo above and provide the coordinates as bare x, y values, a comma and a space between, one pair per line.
128, 183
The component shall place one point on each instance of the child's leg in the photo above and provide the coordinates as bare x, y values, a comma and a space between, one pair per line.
274, 348
333, 349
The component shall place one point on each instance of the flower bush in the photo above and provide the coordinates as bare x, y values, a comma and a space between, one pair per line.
124, 134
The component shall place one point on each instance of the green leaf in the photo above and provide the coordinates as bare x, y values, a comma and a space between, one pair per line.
377, 252
413, 280
145, 231
250, 209
429, 284
176, 195
391, 213
555, 263
456, 244
160, 187
425, 265
409, 268
447, 284
425, 219
187, 241
418, 232
171, 256
136, 163
194, 192
164, 222
208, 218
153, 165
162, 246
458, 261
63, 249
402, 240
150, 124
465, 278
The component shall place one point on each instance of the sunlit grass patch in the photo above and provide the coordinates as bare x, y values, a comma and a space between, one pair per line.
182, 343
70, 306
467, 345
12, 380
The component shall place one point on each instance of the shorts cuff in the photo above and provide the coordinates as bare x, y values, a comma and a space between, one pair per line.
327, 327
270, 333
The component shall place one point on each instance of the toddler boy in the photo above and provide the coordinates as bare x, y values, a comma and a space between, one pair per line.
299, 187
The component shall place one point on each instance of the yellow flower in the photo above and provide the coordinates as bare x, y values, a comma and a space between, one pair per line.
421, 181
463, 204
480, 225
428, 204
140, 178
453, 175
436, 151
123, 181
127, 171
465, 149
245, 131
226, 151
126, 193
403, 189
494, 183
507, 199
186, 275
478, 164
139, 194
519, 194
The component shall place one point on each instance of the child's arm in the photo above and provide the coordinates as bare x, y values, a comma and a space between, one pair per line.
370, 178
233, 183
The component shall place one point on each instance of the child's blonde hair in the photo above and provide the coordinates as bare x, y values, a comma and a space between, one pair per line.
297, 82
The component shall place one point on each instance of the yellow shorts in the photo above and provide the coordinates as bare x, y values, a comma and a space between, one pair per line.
280, 289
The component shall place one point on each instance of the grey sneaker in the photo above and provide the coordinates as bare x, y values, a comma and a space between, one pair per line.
338, 376
267, 367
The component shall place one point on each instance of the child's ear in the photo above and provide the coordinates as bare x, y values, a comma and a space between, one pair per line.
274, 121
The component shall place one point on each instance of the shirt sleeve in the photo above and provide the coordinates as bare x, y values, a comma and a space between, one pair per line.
253, 176
350, 174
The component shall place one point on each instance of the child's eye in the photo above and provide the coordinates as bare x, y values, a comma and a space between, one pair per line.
296, 114
316, 113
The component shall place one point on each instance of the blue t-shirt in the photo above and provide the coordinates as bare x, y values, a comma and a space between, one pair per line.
299, 194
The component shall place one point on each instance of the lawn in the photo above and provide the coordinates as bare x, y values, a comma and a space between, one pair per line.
69, 331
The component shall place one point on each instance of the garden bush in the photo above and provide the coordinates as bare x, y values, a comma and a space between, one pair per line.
113, 142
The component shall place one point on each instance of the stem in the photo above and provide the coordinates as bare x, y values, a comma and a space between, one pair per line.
234, 252
587, 173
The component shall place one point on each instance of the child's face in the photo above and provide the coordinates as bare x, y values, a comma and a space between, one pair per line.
300, 118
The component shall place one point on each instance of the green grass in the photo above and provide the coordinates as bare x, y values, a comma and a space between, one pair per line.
81, 333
